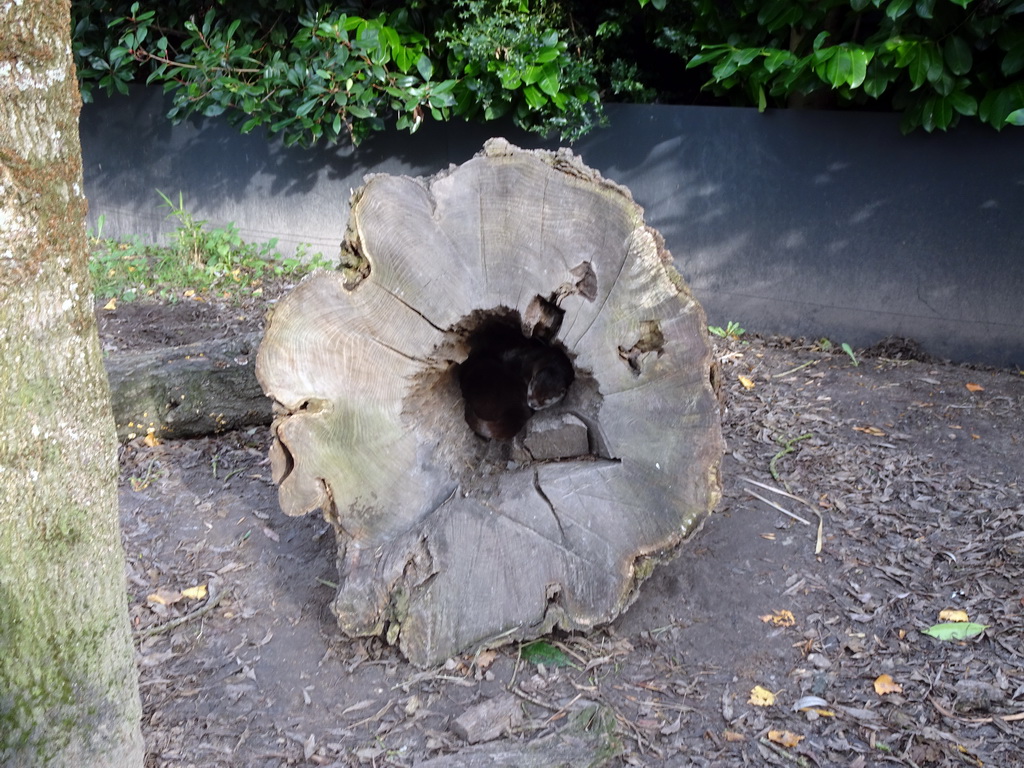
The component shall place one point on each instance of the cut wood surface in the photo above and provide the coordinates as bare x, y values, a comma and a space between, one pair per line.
448, 540
187, 391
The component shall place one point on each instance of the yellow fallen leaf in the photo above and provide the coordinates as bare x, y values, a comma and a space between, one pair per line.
195, 593
164, 596
885, 684
747, 383
734, 736
785, 738
972, 387
151, 439
779, 618
953, 614
761, 697
111, 305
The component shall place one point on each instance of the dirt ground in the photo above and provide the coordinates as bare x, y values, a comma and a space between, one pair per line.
913, 468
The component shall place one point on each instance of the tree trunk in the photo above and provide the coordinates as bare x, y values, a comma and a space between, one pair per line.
68, 690
502, 404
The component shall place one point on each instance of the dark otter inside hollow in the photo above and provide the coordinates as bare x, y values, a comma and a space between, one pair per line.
507, 377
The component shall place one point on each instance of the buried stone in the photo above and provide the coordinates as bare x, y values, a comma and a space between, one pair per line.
514, 420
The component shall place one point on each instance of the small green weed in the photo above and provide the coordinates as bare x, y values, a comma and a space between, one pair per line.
198, 260
825, 345
849, 351
732, 330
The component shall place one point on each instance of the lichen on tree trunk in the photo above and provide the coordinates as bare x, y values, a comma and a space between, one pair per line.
68, 685
390, 376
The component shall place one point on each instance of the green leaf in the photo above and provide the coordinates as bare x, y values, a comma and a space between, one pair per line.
725, 68
707, 53
935, 64
926, 65
963, 103
543, 652
774, 15
925, 8
534, 98
875, 86
775, 59
548, 54
1013, 62
511, 79
1016, 117
942, 113
958, 630
997, 106
958, 55
425, 67
861, 59
305, 108
549, 81
390, 37
897, 8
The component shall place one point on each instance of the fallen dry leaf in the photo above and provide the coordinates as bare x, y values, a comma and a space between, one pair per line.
779, 618
953, 614
164, 596
785, 738
484, 659
761, 697
747, 383
885, 684
195, 593
875, 431
111, 305
734, 736
972, 387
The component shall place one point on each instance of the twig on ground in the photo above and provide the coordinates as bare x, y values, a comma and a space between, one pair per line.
794, 370
157, 629
976, 720
785, 754
787, 494
779, 507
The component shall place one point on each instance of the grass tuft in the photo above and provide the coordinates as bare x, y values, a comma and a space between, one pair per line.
199, 261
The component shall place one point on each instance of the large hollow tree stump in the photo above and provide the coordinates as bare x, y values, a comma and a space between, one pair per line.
502, 404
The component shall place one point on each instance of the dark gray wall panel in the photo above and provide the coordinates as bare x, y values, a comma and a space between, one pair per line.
802, 223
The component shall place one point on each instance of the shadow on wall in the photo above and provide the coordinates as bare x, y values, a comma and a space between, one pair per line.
298, 195
801, 223
834, 224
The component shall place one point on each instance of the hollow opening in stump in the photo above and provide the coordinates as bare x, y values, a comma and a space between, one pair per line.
507, 377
